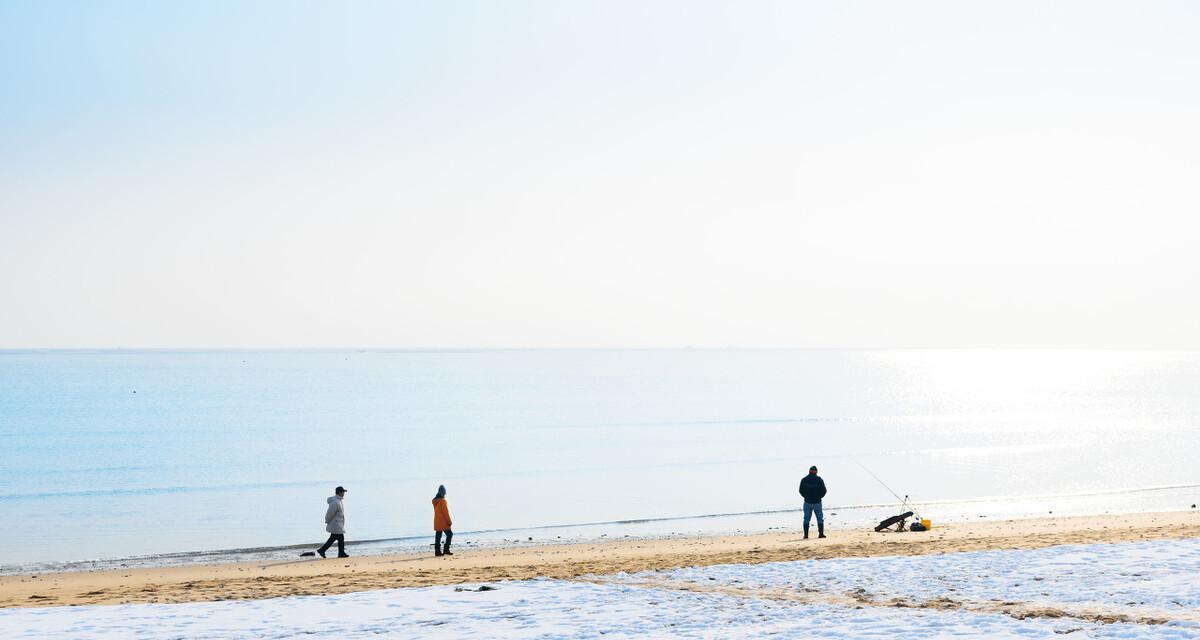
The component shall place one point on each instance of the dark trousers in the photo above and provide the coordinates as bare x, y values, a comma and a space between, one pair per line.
437, 541
341, 540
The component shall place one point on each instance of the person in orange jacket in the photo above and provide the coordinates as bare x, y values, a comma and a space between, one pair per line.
441, 523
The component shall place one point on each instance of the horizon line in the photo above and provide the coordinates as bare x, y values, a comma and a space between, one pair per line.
585, 348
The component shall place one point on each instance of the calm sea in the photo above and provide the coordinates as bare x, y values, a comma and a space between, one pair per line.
121, 454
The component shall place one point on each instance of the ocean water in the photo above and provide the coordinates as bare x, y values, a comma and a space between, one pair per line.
113, 455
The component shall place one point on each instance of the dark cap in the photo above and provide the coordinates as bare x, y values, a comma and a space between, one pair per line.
813, 468
343, 489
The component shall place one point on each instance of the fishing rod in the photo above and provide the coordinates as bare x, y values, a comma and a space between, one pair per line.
903, 501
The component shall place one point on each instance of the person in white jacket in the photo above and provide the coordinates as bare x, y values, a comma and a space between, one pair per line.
335, 523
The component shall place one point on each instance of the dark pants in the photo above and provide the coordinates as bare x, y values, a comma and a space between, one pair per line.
437, 541
341, 540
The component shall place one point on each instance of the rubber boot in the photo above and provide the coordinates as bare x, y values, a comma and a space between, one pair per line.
806, 532
446, 550
820, 529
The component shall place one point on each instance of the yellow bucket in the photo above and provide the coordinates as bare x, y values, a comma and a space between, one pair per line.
927, 523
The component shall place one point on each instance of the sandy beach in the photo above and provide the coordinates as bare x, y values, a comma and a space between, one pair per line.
331, 576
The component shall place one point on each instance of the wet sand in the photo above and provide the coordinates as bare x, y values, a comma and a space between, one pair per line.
331, 576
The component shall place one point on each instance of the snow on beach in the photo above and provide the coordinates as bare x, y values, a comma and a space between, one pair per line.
1130, 590
1146, 579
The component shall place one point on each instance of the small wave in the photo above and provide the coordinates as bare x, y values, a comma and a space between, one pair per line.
93, 493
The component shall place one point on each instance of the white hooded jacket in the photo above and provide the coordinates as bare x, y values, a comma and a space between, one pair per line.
335, 516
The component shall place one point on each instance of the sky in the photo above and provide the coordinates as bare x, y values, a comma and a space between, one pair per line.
599, 174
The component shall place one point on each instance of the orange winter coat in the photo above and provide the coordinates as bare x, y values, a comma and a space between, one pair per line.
441, 515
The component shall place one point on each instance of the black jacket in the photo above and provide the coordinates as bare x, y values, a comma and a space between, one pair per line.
812, 488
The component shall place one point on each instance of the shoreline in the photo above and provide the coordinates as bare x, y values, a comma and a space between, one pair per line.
257, 580
673, 526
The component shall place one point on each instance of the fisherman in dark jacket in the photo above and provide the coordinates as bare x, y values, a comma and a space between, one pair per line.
812, 487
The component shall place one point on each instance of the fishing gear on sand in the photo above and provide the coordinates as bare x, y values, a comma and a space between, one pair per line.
898, 521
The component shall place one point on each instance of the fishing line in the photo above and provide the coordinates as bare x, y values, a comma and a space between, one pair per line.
903, 501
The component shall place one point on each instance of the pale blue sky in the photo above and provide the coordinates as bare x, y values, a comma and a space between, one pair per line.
599, 174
